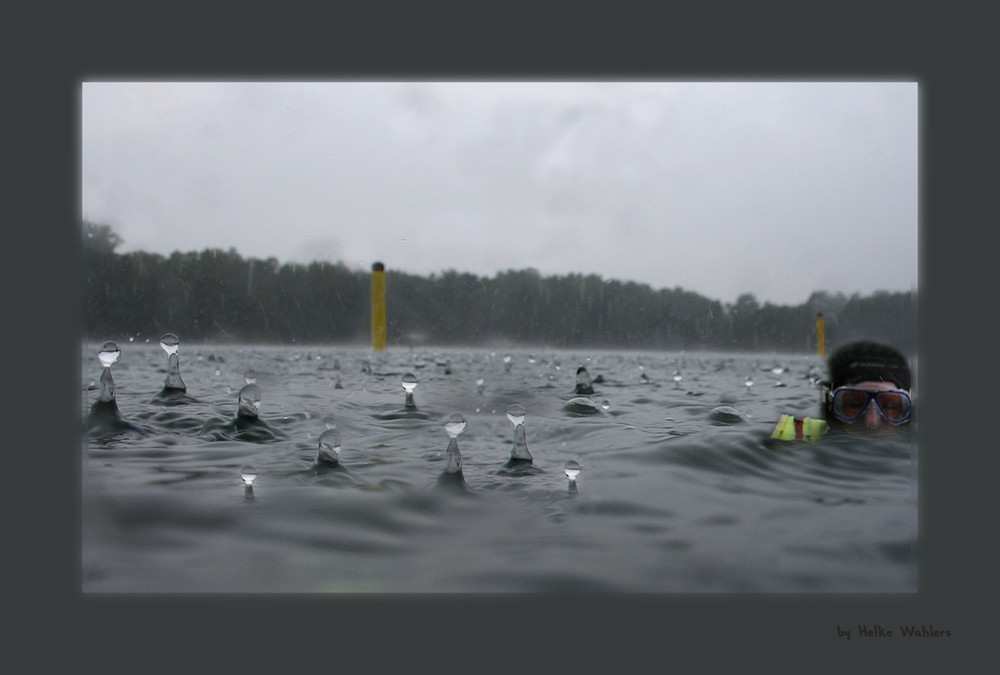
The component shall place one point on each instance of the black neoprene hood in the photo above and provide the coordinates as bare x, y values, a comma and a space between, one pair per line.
868, 361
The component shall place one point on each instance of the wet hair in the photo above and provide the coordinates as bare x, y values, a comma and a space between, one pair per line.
865, 362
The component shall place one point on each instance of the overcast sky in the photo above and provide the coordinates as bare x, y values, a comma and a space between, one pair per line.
776, 189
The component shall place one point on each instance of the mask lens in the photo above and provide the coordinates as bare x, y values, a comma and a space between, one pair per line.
894, 405
849, 404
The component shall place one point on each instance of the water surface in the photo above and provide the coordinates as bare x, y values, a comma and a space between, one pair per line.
676, 492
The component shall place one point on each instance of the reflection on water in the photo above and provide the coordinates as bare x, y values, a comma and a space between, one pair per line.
306, 469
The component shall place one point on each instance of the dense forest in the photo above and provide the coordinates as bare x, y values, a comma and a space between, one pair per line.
218, 296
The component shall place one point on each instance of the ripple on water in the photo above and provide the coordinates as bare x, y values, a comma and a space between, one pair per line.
664, 491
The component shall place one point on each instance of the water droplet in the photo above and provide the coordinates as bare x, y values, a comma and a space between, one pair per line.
108, 354
455, 424
515, 414
250, 400
725, 414
572, 469
454, 458
409, 383
329, 422
107, 390
581, 404
170, 343
520, 451
250, 376
249, 474
605, 404
677, 376
329, 446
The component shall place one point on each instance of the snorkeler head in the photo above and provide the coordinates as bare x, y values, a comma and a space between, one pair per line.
868, 362
857, 371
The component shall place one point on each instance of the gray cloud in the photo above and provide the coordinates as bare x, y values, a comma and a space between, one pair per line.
776, 189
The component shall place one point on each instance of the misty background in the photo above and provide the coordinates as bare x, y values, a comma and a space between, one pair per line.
219, 296
776, 190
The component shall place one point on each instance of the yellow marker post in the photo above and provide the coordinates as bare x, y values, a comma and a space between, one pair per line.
820, 337
378, 307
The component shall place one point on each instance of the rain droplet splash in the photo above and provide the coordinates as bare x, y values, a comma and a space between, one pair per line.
409, 384
454, 465
249, 475
455, 424
451, 478
249, 401
572, 470
170, 343
108, 354
582, 405
329, 447
515, 414
725, 414
104, 414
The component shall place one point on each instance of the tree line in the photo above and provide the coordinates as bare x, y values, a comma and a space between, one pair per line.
218, 296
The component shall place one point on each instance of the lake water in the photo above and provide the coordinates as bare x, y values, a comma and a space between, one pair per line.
676, 493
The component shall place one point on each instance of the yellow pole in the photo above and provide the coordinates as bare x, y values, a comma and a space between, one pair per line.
378, 307
820, 336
